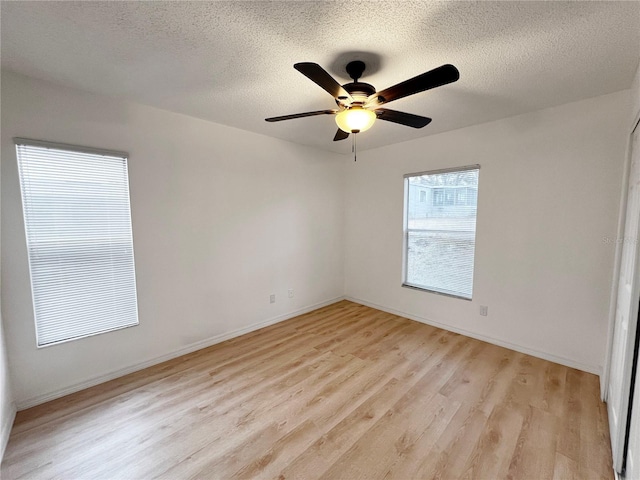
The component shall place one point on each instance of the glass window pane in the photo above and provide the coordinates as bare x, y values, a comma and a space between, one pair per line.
440, 236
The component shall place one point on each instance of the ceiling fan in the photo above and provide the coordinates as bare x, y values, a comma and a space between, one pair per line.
359, 103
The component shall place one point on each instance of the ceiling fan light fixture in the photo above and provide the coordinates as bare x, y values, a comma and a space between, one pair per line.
355, 119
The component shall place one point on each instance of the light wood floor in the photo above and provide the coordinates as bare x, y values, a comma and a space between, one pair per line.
344, 392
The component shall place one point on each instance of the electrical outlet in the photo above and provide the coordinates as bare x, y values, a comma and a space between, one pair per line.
272, 298
291, 293
484, 310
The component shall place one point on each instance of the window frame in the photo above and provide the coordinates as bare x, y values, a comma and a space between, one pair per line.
69, 148
405, 229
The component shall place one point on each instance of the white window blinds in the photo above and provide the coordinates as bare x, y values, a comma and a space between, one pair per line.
440, 230
79, 240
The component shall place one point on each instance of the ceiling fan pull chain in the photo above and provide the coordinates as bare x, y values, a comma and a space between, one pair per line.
354, 148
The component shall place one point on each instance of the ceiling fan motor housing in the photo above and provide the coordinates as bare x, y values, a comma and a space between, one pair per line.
359, 91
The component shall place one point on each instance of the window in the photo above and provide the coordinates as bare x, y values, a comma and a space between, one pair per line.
79, 240
423, 196
440, 237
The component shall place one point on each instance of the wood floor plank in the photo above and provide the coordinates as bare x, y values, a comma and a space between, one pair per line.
566, 469
146, 380
412, 408
594, 432
418, 441
492, 453
534, 455
345, 391
129, 411
569, 439
211, 421
300, 403
343, 435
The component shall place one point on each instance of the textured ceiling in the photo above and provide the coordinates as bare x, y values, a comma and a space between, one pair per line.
232, 62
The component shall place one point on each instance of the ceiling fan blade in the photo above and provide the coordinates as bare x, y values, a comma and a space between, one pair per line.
408, 119
320, 76
300, 115
340, 135
434, 78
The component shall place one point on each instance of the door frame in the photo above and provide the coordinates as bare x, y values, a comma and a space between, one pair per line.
618, 437
613, 297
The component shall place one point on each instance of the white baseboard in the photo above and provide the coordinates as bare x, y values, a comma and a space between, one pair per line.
37, 400
595, 369
5, 430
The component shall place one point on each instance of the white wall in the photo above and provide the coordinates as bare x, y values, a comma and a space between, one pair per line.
633, 455
548, 198
7, 405
222, 218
